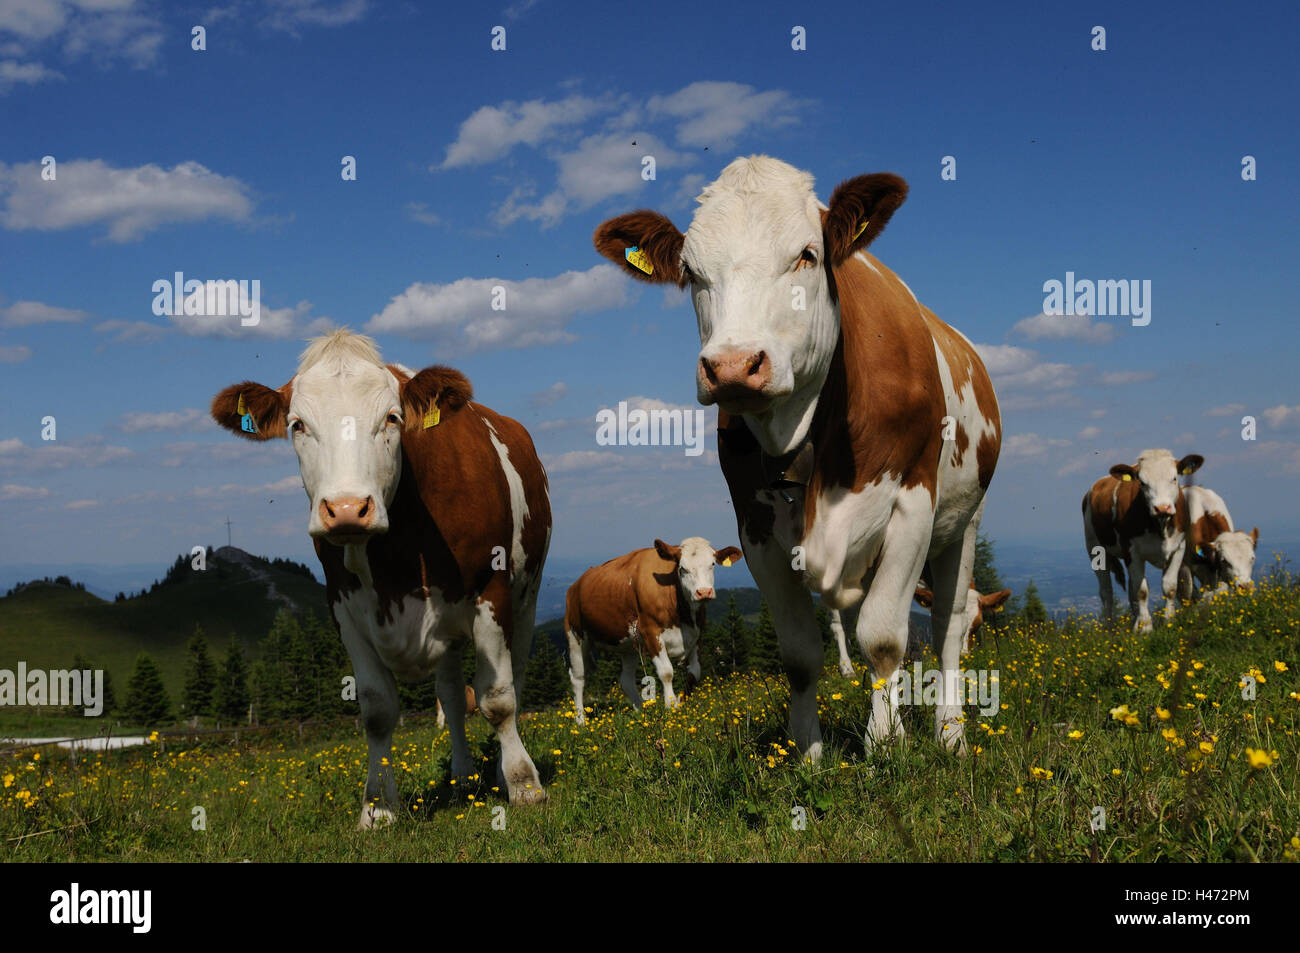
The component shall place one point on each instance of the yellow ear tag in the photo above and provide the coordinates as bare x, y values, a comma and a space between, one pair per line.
637, 259
1127, 477
242, 408
727, 561
861, 228
431, 417
1186, 470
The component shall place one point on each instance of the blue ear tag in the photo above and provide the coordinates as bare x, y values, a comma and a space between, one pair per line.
247, 424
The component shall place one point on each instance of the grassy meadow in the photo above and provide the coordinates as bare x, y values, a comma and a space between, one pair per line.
1159, 732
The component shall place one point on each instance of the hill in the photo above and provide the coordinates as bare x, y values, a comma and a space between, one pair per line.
236, 595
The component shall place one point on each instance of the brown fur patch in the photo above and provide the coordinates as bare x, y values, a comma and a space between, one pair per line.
866, 198
636, 589
445, 387
269, 408
656, 236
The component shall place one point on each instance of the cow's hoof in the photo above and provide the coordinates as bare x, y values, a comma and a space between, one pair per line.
1144, 627
374, 816
528, 794
847, 671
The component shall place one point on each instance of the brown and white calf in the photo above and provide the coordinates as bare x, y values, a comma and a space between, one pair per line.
1217, 556
857, 432
649, 602
430, 516
1134, 516
976, 605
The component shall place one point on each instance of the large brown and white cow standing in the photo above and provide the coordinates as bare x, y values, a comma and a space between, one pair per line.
1217, 555
1134, 516
430, 516
649, 602
857, 432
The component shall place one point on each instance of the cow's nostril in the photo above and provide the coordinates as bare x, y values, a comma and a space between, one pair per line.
757, 362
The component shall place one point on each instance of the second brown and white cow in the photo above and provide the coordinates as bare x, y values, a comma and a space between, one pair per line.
430, 516
857, 432
649, 602
1218, 556
1134, 516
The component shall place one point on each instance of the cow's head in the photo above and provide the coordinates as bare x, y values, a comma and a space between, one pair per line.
345, 411
695, 559
1231, 556
1156, 473
759, 259
976, 605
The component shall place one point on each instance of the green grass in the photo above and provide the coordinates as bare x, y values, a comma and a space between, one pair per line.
717, 779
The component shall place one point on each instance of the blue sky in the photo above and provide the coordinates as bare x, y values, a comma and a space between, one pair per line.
478, 168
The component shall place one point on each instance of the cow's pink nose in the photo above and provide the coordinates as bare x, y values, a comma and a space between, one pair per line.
1165, 509
347, 514
703, 593
735, 374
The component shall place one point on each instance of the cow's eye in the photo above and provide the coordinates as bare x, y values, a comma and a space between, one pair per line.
807, 259
298, 427
394, 420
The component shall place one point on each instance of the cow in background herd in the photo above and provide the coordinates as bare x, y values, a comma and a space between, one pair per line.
1218, 556
649, 602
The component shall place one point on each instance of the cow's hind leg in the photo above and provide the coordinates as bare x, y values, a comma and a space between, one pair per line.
451, 696
841, 643
627, 677
1138, 594
664, 669
495, 691
377, 696
577, 673
952, 575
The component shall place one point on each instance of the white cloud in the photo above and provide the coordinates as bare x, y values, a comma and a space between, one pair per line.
59, 455
191, 418
132, 330
129, 202
1060, 327
14, 73
419, 212
1282, 416
715, 114
22, 314
1030, 445
491, 132
15, 491
278, 323
459, 315
553, 394
1013, 368
1089, 433
1120, 378
80, 504
288, 15
14, 354
1225, 410
104, 30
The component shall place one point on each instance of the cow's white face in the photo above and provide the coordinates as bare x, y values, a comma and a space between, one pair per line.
758, 259
768, 323
345, 422
1157, 474
695, 560
1234, 557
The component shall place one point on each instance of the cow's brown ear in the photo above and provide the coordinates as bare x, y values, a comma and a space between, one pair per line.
1190, 463
924, 598
671, 553
1254, 536
725, 557
859, 210
431, 393
254, 411
645, 244
993, 600
1124, 471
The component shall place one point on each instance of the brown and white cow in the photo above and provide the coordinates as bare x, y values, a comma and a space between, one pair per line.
649, 602
1218, 556
430, 516
857, 432
976, 605
1134, 516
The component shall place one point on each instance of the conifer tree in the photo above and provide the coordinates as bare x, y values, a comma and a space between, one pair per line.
147, 703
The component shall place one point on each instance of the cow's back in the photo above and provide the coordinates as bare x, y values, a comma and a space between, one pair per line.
1207, 516
607, 601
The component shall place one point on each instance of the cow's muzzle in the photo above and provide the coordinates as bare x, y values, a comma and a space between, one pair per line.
703, 595
348, 519
736, 380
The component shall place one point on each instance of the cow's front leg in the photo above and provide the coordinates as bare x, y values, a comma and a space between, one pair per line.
950, 626
577, 673
451, 696
1138, 593
1169, 582
377, 696
495, 691
693, 666
841, 643
797, 634
664, 669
